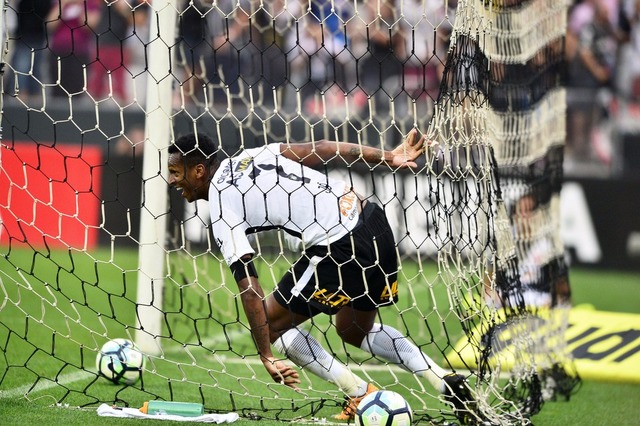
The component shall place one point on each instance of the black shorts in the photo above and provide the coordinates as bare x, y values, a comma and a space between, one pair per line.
359, 270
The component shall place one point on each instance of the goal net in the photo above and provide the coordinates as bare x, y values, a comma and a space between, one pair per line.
95, 247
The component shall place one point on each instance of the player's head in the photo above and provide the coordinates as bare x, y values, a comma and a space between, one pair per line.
192, 162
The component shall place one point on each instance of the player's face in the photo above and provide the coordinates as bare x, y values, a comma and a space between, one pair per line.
187, 179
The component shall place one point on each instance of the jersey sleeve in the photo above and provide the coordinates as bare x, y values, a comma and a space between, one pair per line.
229, 228
272, 149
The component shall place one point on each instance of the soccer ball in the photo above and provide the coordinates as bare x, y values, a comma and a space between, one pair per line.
383, 408
120, 361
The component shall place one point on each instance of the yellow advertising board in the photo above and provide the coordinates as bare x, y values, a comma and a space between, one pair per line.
605, 345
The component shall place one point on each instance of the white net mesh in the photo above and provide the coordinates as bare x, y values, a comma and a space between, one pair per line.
93, 248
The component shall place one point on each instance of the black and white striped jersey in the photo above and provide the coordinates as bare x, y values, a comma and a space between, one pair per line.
260, 190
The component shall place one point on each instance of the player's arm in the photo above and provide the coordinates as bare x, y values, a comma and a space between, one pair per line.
233, 243
253, 303
314, 154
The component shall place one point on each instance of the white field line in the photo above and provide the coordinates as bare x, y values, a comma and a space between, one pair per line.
234, 335
45, 384
70, 378
82, 375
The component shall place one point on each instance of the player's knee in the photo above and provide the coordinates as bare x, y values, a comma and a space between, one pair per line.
352, 335
274, 336
278, 327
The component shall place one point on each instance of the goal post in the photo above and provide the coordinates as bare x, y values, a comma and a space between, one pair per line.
153, 219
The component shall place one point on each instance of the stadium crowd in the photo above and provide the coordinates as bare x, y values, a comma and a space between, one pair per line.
603, 83
102, 46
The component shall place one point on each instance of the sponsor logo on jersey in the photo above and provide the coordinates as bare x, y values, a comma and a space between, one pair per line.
347, 205
244, 164
389, 292
334, 300
231, 174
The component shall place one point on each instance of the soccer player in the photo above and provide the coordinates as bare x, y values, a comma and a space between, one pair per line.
348, 265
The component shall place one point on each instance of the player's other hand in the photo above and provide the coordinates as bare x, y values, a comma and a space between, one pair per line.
405, 154
281, 372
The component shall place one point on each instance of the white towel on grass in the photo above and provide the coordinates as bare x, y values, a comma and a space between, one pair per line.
106, 410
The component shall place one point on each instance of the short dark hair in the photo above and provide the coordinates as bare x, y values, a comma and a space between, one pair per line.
196, 148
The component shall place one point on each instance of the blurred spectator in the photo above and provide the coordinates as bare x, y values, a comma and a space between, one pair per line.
321, 46
29, 44
217, 52
235, 58
69, 24
136, 45
379, 66
592, 61
307, 70
131, 144
194, 35
628, 74
112, 55
123, 184
423, 43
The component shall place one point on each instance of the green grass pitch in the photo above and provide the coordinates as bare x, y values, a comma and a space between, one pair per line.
595, 403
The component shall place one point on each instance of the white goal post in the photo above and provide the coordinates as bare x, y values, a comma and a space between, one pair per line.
153, 218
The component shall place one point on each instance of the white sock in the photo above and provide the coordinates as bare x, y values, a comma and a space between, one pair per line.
301, 348
388, 343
